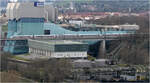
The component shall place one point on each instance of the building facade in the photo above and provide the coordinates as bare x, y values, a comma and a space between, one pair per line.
58, 49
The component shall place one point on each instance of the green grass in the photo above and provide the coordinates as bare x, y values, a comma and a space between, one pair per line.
25, 80
123, 65
20, 58
27, 54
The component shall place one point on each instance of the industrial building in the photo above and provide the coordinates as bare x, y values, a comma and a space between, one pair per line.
29, 19
51, 12
32, 19
31, 10
83, 63
58, 49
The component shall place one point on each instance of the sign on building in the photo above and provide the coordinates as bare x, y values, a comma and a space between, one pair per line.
38, 4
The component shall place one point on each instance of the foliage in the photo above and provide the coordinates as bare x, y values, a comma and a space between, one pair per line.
136, 49
107, 6
91, 58
135, 52
4, 60
10, 76
53, 70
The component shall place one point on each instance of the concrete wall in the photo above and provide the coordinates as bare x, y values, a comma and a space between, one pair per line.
24, 10
49, 54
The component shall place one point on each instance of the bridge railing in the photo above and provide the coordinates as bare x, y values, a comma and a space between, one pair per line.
72, 37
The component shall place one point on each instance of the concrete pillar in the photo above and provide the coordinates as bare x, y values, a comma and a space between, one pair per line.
0, 38
102, 50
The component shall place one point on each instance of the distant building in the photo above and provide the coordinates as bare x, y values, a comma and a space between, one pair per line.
77, 22
51, 12
81, 63
58, 49
3, 3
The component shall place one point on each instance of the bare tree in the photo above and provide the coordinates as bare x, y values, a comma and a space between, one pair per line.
4, 60
10, 76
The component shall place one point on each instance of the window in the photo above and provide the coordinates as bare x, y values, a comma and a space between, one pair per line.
46, 32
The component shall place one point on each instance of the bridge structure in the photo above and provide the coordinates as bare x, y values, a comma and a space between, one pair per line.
102, 38
78, 37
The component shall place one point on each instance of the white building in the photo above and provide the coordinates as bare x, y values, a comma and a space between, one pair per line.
18, 10
58, 49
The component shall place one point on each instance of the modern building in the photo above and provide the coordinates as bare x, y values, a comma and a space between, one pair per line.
23, 19
57, 49
28, 19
